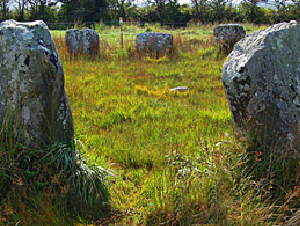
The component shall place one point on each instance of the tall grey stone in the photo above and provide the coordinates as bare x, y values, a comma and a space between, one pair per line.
154, 42
262, 83
226, 35
84, 41
34, 108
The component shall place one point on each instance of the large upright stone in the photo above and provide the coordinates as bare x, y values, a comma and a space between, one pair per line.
84, 41
262, 83
154, 42
226, 35
34, 108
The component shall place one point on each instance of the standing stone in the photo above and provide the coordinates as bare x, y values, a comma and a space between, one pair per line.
226, 35
154, 42
33, 104
84, 41
262, 83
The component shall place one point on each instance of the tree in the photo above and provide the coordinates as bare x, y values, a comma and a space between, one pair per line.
296, 4
123, 8
84, 10
4, 8
230, 12
175, 14
21, 6
294, 9
34, 8
160, 9
133, 12
252, 9
218, 9
281, 9
42, 9
200, 7
165, 12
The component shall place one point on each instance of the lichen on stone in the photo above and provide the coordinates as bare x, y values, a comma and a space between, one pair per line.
84, 41
226, 35
32, 86
262, 82
154, 41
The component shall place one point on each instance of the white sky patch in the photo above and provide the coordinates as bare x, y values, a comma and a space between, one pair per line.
184, 1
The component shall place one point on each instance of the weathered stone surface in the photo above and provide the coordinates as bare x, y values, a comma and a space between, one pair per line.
154, 41
33, 101
227, 35
262, 83
84, 41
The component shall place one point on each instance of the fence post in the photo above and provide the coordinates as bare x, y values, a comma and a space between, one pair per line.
121, 23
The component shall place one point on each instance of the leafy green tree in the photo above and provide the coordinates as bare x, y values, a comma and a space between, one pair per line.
218, 10
293, 10
251, 8
133, 12
168, 12
160, 9
84, 10
201, 9
39, 9
296, 5
21, 6
173, 13
123, 8
231, 12
281, 10
4, 8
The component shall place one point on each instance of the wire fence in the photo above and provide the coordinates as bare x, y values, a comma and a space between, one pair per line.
92, 25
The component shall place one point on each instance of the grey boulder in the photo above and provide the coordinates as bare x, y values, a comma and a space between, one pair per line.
154, 41
262, 83
33, 104
84, 41
226, 35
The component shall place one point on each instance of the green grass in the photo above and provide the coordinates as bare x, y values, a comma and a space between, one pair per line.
174, 155
127, 107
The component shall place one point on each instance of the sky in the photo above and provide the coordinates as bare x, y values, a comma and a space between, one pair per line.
184, 1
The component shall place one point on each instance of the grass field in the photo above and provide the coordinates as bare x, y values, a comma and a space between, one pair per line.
174, 155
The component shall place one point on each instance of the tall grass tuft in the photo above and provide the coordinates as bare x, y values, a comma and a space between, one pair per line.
31, 177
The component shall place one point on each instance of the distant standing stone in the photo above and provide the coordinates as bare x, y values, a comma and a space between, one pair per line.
262, 83
33, 100
226, 35
84, 41
154, 42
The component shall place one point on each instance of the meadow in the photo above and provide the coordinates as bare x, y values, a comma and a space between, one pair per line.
174, 155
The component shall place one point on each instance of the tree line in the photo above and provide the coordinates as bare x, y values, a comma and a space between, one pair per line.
169, 12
